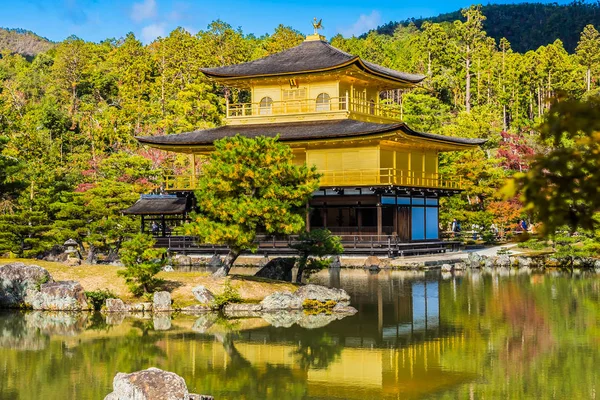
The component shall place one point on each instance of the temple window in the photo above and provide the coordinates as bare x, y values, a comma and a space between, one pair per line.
323, 102
266, 106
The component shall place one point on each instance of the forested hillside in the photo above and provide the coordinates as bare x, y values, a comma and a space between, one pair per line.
527, 26
69, 162
23, 42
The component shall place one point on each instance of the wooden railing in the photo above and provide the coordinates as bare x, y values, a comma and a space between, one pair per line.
305, 106
388, 176
349, 177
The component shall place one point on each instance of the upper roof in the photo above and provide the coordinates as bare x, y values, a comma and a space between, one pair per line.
300, 131
309, 56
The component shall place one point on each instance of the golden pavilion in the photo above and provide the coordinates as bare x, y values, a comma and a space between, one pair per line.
380, 178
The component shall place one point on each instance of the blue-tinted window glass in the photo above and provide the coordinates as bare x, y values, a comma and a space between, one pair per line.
431, 202
418, 223
418, 200
388, 200
432, 223
403, 200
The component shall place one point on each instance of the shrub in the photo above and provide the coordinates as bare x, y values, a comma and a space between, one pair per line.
142, 261
98, 297
229, 294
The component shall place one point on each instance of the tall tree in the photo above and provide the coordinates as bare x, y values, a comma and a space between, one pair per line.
588, 51
470, 34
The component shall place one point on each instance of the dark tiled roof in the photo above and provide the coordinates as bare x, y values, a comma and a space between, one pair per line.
307, 57
295, 131
158, 204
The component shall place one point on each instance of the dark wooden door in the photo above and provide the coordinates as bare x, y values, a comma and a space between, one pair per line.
404, 224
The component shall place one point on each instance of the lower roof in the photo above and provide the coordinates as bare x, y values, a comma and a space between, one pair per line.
299, 131
158, 205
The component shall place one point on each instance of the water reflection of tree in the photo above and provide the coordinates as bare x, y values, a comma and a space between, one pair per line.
317, 350
528, 336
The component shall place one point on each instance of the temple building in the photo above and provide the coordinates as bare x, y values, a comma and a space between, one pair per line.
380, 178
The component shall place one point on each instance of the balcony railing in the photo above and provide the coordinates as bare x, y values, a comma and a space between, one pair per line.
308, 106
350, 177
388, 176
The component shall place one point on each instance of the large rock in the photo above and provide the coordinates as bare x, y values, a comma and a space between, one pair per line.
278, 268
115, 305
323, 294
281, 301
20, 283
503, 260
61, 296
149, 384
336, 262
203, 295
161, 301
373, 262
474, 260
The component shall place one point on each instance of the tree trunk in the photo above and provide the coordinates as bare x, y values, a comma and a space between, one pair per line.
468, 82
91, 256
589, 78
301, 266
227, 263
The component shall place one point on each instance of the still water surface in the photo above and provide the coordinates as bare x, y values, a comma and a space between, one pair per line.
416, 335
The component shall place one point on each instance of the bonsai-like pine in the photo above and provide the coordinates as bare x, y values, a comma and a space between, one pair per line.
250, 185
142, 262
313, 247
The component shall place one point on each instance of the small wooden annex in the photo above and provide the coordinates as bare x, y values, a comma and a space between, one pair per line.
379, 177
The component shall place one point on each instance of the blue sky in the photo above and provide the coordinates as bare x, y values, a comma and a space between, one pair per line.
95, 20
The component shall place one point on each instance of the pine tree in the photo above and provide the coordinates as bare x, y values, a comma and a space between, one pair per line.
250, 185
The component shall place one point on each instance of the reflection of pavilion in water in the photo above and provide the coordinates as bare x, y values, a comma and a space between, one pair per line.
393, 348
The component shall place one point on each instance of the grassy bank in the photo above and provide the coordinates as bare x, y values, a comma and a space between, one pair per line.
180, 284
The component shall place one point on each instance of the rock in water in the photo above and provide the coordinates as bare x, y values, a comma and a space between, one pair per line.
162, 301
281, 301
150, 384
203, 295
61, 296
279, 268
322, 294
19, 284
336, 262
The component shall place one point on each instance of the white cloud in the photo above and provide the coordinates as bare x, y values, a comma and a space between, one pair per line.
363, 24
144, 10
151, 32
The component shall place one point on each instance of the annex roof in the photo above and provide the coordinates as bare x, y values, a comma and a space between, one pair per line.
157, 205
299, 131
309, 56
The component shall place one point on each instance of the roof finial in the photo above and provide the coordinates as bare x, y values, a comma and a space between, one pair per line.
317, 25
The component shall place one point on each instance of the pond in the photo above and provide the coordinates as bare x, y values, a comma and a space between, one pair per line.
416, 335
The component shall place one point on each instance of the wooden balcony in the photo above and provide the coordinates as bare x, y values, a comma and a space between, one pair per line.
356, 177
342, 106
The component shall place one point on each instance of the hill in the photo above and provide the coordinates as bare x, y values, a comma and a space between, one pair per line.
527, 26
23, 42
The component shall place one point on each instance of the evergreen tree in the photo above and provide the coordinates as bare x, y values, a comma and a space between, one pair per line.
588, 51
250, 186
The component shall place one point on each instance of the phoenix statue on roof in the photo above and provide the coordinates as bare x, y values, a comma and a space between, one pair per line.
317, 25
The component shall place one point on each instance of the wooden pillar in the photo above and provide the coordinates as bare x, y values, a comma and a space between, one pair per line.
379, 220
193, 167
142, 227
359, 218
396, 219
163, 225
325, 212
